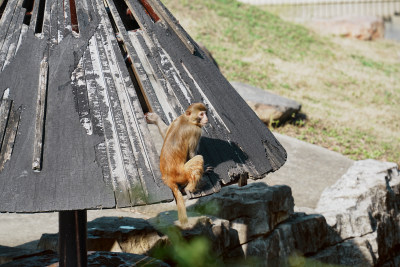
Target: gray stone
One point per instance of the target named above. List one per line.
(114, 234)
(347, 253)
(269, 107)
(99, 258)
(252, 210)
(8, 254)
(351, 204)
(364, 206)
(305, 234)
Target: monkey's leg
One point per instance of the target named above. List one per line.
(180, 203)
(194, 170)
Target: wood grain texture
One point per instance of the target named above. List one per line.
(40, 115)
(97, 150)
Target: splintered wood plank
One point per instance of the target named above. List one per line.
(81, 96)
(145, 155)
(113, 148)
(67, 18)
(16, 35)
(9, 136)
(40, 114)
(179, 89)
(10, 33)
(60, 20)
(6, 18)
(53, 11)
(174, 87)
(5, 108)
(47, 19)
(96, 119)
(175, 26)
(143, 81)
(35, 11)
(142, 62)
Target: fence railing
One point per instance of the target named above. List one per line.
(304, 9)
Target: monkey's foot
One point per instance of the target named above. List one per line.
(191, 187)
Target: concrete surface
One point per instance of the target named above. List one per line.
(308, 170)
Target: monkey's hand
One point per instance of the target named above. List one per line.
(151, 118)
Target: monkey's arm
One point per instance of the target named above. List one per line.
(153, 118)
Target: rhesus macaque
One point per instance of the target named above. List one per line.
(178, 163)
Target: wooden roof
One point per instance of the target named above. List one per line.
(76, 78)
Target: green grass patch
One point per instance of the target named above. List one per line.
(349, 89)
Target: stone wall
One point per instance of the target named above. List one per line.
(356, 223)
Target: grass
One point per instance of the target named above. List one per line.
(349, 89)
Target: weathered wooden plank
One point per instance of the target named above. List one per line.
(60, 20)
(145, 153)
(5, 108)
(78, 83)
(9, 34)
(114, 152)
(53, 11)
(40, 115)
(6, 18)
(138, 71)
(9, 136)
(67, 18)
(119, 104)
(175, 26)
(35, 12)
(47, 20)
(145, 156)
(96, 119)
(159, 100)
(82, 10)
(13, 44)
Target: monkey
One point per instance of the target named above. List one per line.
(179, 164)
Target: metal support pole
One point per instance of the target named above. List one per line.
(72, 238)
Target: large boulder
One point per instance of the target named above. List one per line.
(364, 206)
(269, 107)
(358, 224)
(252, 210)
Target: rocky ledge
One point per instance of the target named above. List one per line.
(356, 223)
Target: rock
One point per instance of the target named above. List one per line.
(351, 204)
(252, 210)
(269, 107)
(255, 225)
(114, 234)
(347, 253)
(304, 234)
(362, 28)
(8, 254)
(102, 258)
(364, 206)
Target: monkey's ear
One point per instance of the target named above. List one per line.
(188, 112)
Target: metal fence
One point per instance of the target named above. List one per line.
(305, 9)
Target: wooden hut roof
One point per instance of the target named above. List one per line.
(76, 78)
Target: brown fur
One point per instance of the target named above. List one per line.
(178, 162)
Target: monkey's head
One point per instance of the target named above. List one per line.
(197, 114)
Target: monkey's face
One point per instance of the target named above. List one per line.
(202, 118)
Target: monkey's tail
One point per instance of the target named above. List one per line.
(180, 203)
